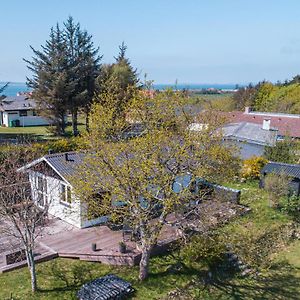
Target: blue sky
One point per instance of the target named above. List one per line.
(193, 41)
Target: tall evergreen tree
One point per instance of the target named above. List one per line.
(50, 80)
(84, 63)
(64, 72)
(118, 80)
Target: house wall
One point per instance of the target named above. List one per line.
(70, 213)
(73, 213)
(29, 120)
(246, 149)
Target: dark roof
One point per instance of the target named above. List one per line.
(65, 163)
(108, 287)
(279, 168)
(17, 103)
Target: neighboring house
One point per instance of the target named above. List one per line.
(286, 124)
(51, 188)
(250, 138)
(251, 131)
(20, 111)
(293, 171)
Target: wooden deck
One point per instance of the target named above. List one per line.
(60, 239)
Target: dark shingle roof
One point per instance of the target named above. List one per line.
(279, 168)
(65, 163)
(17, 103)
(108, 287)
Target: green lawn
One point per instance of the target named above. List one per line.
(39, 132)
(280, 280)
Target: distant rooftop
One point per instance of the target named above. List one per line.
(253, 133)
(22, 102)
(271, 114)
(286, 124)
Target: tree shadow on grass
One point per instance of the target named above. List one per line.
(280, 282)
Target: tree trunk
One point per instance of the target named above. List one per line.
(31, 267)
(63, 124)
(87, 121)
(144, 263)
(75, 122)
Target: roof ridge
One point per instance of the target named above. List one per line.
(284, 164)
(60, 154)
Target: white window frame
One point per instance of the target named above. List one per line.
(65, 194)
(41, 190)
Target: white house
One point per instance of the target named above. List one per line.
(20, 111)
(49, 178)
(50, 187)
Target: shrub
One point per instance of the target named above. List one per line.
(291, 206)
(277, 186)
(252, 167)
(205, 249)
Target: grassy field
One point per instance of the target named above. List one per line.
(61, 278)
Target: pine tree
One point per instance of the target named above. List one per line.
(84, 64)
(123, 70)
(118, 80)
(50, 80)
(64, 73)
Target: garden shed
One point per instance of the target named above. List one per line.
(291, 170)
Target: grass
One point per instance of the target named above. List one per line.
(53, 286)
(37, 132)
(61, 278)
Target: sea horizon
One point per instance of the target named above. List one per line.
(18, 87)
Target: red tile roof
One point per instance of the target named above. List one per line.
(287, 124)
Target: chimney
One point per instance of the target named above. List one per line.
(266, 124)
(67, 157)
(247, 109)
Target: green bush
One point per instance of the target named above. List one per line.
(252, 167)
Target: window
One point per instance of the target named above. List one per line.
(65, 194)
(34, 113)
(41, 190)
(23, 113)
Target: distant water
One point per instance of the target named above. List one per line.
(15, 87)
(196, 86)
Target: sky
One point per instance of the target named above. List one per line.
(191, 41)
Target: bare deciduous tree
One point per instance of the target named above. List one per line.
(21, 217)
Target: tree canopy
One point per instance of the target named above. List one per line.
(266, 96)
(136, 176)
